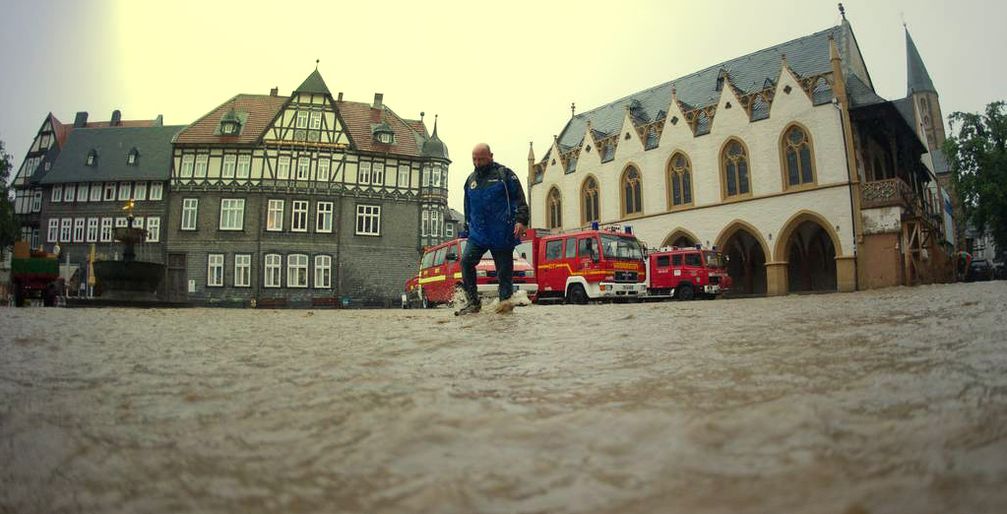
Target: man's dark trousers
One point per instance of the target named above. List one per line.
(504, 260)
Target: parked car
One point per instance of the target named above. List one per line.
(980, 269)
(440, 276)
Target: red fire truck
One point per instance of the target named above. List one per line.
(595, 264)
(686, 273)
(440, 275)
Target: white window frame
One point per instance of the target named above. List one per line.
(304, 168)
(121, 222)
(106, 230)
(95, 195)
(69, 192)
(297, 270)
(323, 272)
(301, 120)
(215, 270)
(36, 201)
(92, 230)
(227, 167)
(315, 120)
(187, 165)
(323, 217)
(53, 235)
(78, 230)
(283, 167)
(404, 175)
(82, 192)
(425, 223)
(378, 173)
(109, 192)
(274, 215)
(156, 191)
(65, 230)
(57, 194)
(244, 166)
(272, 270)
(140, 191)
(368, 220)
(232, 214)
(190, 213)
(242, 270)
(153, 229)
(299, 216)
(199, 170)
(364, 172)
(124, 191)
(426, 176)
(323, 169)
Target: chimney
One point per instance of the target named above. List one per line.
(275, 91)
(340, 97)
(116, 119)
(159, 120)
(81, 120)
(377, 100)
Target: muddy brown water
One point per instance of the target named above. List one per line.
(874, 402)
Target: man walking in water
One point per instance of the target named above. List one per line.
(496, 215)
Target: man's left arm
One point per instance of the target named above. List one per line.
(521, 212)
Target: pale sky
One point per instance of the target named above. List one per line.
(501, 72)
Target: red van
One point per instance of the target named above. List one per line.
(686, 273)
(440, 275)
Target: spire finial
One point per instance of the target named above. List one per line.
(902, 15)
(842, 11)
(573, 109)
(316, 64)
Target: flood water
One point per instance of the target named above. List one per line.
(875, 402)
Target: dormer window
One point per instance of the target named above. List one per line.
(230, 124)
(385, 137)
(132, 156)
(92, 158)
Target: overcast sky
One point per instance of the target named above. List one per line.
(503, 72)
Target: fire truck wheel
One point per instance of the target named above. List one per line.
(685, 292)
(576, 294)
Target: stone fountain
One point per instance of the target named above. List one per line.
(129, 281)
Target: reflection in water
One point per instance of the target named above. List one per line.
(890, 401)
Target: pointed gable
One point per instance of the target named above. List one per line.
(918, 80)
(258, 112)
(314, 84)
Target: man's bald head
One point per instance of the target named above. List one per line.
(481, 155)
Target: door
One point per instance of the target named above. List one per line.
(177, 290)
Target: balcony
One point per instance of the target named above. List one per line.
(893, 192)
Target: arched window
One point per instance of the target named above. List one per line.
(631, 200)
(589, 199)
(679, 180)
(734, 165)
(798, 159)
(554, 206)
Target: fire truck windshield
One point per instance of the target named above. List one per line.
(618, 247)
(714, 260)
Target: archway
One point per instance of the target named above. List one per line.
(681, 238)
(811, 259)
(746, 258)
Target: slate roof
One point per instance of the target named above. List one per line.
(61, 131)
(313, 84)
(112, 145)
(918, 80)
(260, 111)
(806, 56)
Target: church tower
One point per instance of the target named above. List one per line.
(920, 89)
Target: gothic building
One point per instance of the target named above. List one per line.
(785, 159)
(306, 199)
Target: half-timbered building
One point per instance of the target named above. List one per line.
(786, 159)
(302, 200)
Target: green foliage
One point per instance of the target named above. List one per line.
(978, 159)
(8, 225)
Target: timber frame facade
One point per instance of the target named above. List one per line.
(301, 200)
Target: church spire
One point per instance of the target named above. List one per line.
(918, 80)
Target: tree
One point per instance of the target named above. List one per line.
(978, 160)
(8, 225)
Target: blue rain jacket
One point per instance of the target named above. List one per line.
(494, 201)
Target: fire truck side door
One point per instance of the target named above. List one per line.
(552, 270)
